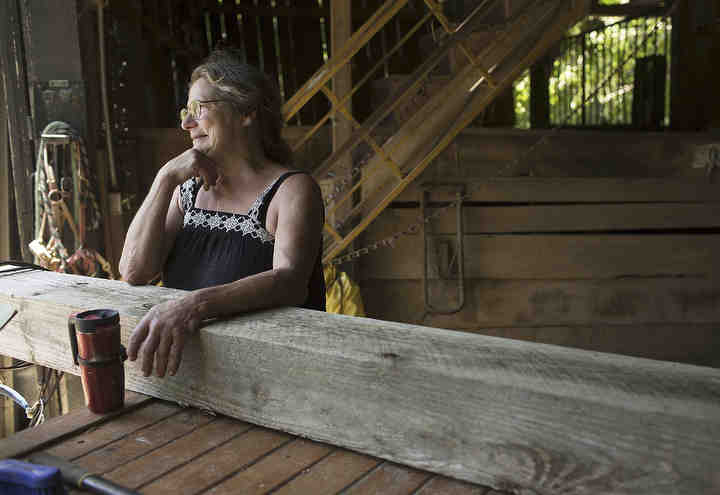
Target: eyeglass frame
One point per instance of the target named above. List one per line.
(185, 112)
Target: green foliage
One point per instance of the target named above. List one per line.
(592, 78)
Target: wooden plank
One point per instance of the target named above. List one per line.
(309, 51)
(275, 469)
(19, 124)
(267, 35)
(62, 427)
(143, 441)
(488, 152)
(4, 179)
(559, 256)
(145, 469)
(331, 475)
(232, 28)
(212, 468)
(498, 412)
(507, 303)
(83, 442)
(249, 29)
(572, 190)
(7, 419)
(71, 393)
(554, 218)
(389, 479)
(287, 55)
(340, 33)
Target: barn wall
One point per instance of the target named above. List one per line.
(595, 240)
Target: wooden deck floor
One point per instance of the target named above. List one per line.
(157, 447)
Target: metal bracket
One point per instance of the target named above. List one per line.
(429, 308)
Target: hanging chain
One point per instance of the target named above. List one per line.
(390, 240)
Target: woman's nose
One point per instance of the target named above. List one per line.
(188, 123)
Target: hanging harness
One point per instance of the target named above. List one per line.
(58, 184)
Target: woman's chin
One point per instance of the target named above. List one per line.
(202, 147)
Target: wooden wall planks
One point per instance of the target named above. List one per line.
(538, 303)
(549, 256)
(584, 218)
(608, 244)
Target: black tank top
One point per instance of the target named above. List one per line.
(215, 247)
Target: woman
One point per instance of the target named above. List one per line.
(227, 219)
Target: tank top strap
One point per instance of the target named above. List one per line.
(188, 192)
(269, 193)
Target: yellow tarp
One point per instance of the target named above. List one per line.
(342, 294)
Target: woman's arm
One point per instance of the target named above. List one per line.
(160, 336)
(153, 230)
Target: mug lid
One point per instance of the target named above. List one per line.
(88, 321)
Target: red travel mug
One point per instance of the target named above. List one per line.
(95, 342)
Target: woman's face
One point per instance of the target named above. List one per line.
(215, 128)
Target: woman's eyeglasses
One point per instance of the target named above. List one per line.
(196, 109)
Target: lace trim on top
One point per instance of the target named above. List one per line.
(218, 220)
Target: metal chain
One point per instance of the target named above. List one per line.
(390, 241)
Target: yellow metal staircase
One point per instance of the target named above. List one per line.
(531, 29)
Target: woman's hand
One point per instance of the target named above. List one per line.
(160, 336)
(192, 163)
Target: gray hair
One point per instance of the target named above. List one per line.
(251, 91)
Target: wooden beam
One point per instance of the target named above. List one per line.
(499, 412)
(8, 410)
(12, 65)
(4, 179)
(340, 33)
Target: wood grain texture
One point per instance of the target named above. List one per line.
(503, 413)
(155, 464)
(83, 443)
(487, 152)
(59, 427)
(144, 441)
(331, 475)
(507, 303)
(206, 471)
(571, 190)
(668, 319)
(274, 469)
(390, 479)
(558, 256)
(555, 218)
(4, 179)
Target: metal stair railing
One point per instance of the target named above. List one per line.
(415, 160)
(399, 160)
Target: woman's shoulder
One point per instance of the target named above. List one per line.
(296, 181)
